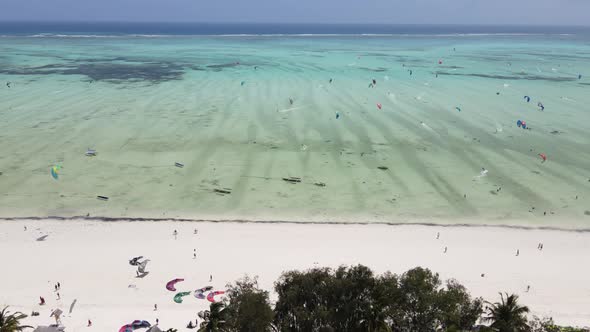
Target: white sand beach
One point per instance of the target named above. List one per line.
(90, 260)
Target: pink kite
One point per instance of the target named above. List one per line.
(210, 296)
(171, 283)
(379, 105)
(543, 156)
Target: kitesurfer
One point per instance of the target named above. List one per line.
(8, 84)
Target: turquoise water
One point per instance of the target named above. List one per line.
(243, 112)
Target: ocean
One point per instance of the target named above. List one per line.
(327, 123)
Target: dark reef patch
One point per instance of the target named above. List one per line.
(517, 76)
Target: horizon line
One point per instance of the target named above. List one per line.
(298, 23)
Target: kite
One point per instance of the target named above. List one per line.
(141, 266)
(55, 171)
(136, 324)
(135, 260)
(211, 296)
(200, 293)
(178, 297)
(171, 283)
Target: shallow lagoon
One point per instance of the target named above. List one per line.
(220, 105)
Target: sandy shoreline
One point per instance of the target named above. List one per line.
(551, 224)
(89, 258)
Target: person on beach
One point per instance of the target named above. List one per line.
(194, 253)
(155, 307)
(175, 233)
(89, 323)
(528, 288)
(196, 231)
(26, 226)
(41, 300)
(210, 277)
(445, 250)
(58, 297)
(517, 252)
(58, 285)
(437, 235)
(55, 286)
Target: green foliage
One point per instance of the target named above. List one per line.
(547, 325)
(249, 308)
(217, 319)
(11, 322)
(459, 311)
(353, 299)
(507, 315)
(302, 304)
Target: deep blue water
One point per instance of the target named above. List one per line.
(113, 28)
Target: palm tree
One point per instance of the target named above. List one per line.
(507, 315)
(216, 319)
(11, 322)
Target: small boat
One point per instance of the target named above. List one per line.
(292, 179)
(223, 191)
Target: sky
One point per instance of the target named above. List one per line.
(528, 12)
